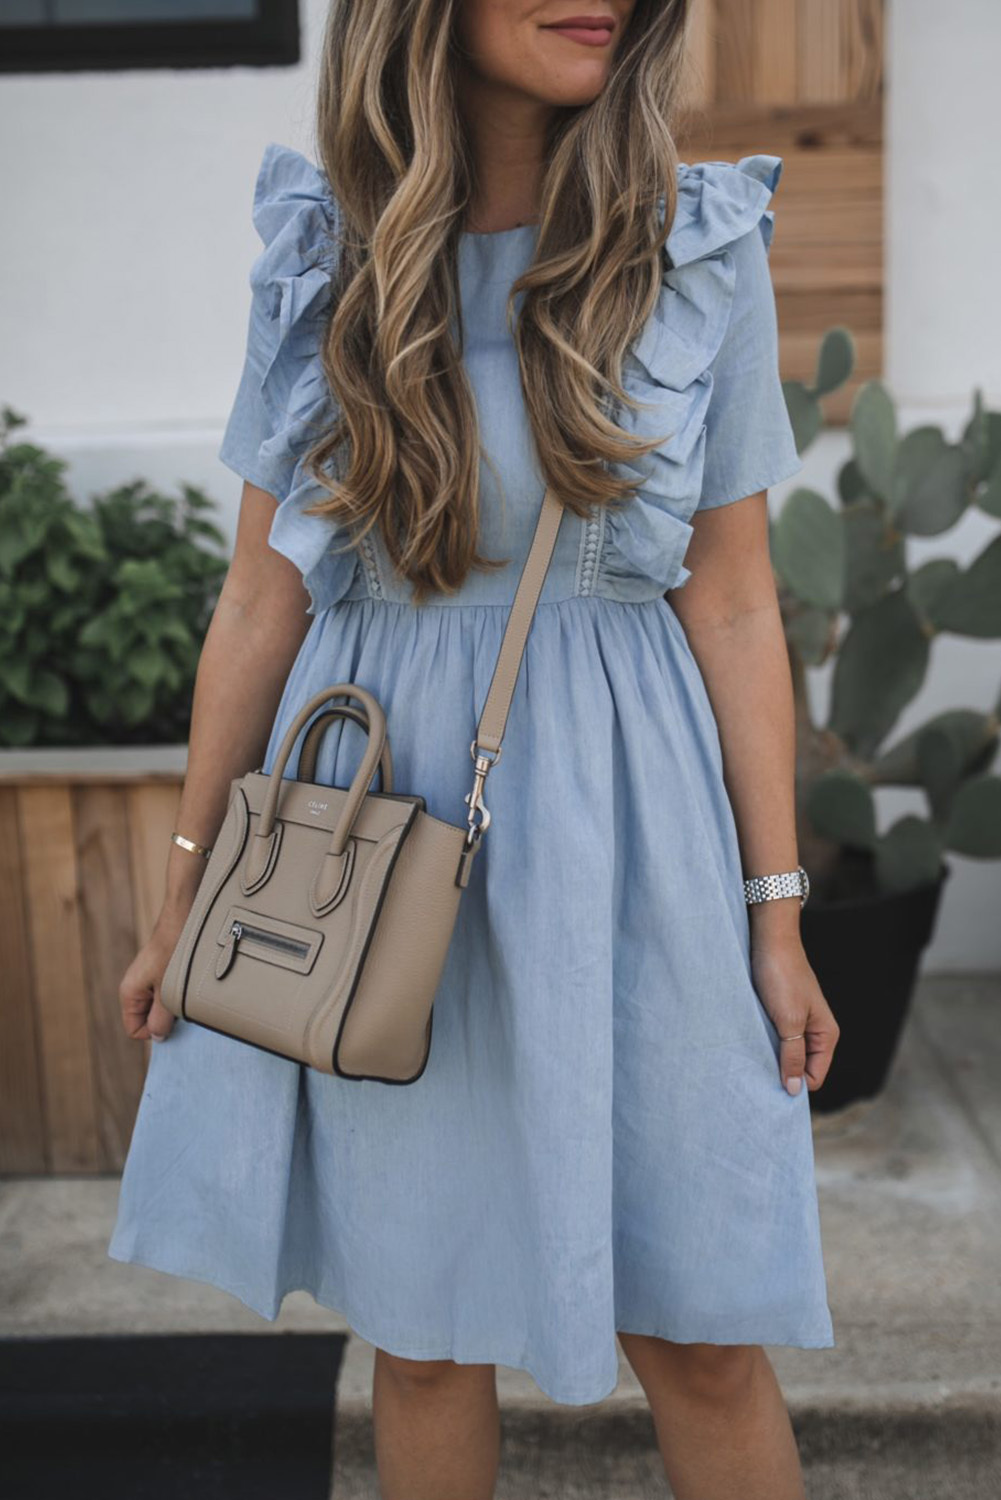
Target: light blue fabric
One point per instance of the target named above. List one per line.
(600, 1140)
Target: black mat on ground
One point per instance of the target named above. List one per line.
(198, 1416)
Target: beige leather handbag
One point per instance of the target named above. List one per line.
(324, 916)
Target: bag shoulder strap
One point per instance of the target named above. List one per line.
(486, 747)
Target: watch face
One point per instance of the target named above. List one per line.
(806, 883)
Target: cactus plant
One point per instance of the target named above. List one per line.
(848, 595)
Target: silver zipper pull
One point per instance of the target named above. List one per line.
(227, 952)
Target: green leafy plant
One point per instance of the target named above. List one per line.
(848, 593)
(103, 608)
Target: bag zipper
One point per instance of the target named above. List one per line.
(294, 947)
(240, 929)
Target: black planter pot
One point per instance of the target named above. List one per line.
(865, 952)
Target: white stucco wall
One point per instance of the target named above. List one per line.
(127, 241)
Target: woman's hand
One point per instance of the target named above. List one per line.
(143, 1015)
(790, 993)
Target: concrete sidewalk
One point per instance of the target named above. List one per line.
(907, 1403)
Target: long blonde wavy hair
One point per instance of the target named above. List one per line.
(406, 444)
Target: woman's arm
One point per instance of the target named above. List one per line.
(729, 610)
(258, 624)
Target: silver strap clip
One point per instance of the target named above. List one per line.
(482, 761)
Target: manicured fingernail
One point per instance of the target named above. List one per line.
(793, 1085)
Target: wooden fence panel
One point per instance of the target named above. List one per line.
(109, 944)
(82, 861)
(152, 813)
(22, 1126)
(59, 987)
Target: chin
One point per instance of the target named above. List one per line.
(572, 93)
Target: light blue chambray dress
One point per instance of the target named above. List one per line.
(601, 1140)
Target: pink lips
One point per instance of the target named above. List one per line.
(591, 31)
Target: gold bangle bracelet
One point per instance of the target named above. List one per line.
(191, 847)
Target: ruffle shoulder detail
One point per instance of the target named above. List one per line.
(670, 364)
(284, 403)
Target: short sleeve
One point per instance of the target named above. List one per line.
(750, 444)
(249, 427)
(283, 404)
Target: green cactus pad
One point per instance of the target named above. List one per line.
(874, 431)
(974, 826)
(808, 549)
(908, 855)
(975, 734)
(931, 482)
(875, 559)
(971, 604)
(835, 362)
(812, 633)
(881, 665)
(840, 806)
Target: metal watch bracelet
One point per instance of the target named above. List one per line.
(772, 887)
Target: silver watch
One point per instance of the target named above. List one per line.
(771, 887)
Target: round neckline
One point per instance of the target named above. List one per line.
(494, 256)
(495, 234)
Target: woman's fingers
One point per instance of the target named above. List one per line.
(143, 1015)
(792, 1060)
(822, 1032)
(807, 1057)
(791, 994)
(161, 1020)
(135, 998)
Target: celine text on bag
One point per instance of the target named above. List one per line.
(321, 926)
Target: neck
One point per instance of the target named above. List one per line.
(507, 135)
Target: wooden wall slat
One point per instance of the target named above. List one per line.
(821, 53)
(109, 945)
(152, 810)
(864, 51)
(22, 1126)
(776, 52)
(59, 980)
(805, 127)
(734, 25)
(700, 81)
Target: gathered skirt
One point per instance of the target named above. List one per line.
(600, 1141)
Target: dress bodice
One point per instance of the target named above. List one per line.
(511, 484)
(705, 366)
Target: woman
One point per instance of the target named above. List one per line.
(611, 1135)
